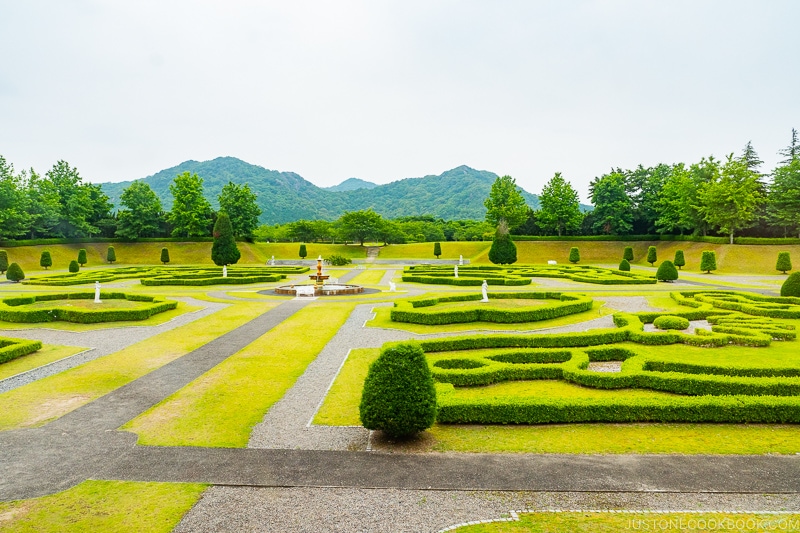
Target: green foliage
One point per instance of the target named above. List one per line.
(503, 250)
(111, 254)
(164, 256)
(708, 261)
(399, 397)
(784, 262)
(613, 212)
(624, 266)
(14, 309)
(671, 322)
(791, 287)
(15, 218)
(652, 255)
(520, 275)
(679, 261)
(559, 208)
(361, 225)
(3, 261)
(77, 204)
(82, 257)
(14, 348)
(14, 273)
(143, 214)
(628, 253)
(191, 212)
(505, 204)
(437, 249)
(224, 250)
(74, 266)
(303, 252)
(667, 272)
(783, 203)
(45, 261)
(338, 260)
(240, 203)
(731, 203)
(574, 255)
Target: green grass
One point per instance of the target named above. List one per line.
(424, 250)
(371, 276)
(289, 250)
(340, 407)
(221, 407)
(103, 507)
(48, 354)
(49, 398)
(593, 522)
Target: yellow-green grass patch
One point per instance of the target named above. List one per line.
(599, 522)
(371, 276)
(103, 506)
(291, 250)
(48, 354)
(221, 407)
(340, 407)
(36, 403)
(424, 250)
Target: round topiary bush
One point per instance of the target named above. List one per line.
(14, 273)
(503, 250)
(574, 255)
(46, 260)
(784, 262)
(671, 322)
(790, 287)
(74, 266)
(399, 397)
(628, 253)
(708, 261)
(652, 255)
(666, 272)
(624, 265)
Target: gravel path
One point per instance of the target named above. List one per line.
(101, 342)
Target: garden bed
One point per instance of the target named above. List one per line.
(80, 307)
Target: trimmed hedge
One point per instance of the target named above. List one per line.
(521, 275)
(671, 322)
(14, 348)
(12, 309)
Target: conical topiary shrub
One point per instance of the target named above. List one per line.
(82, 256)
(224, 250)
(3, 261)
(784, 262)
(652, 256)
(74, 266)
(111, 255)
(14, 273)
(708, 261)
(627, 254)
(574, 255)
(666, 272)
(791, 287)
(679, 261)
(164, 256)
(303, 252)
(624, 265)
(437, 249)
(399, 397)
(503, 250)
(46, 260)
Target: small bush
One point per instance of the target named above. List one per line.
(338, 260)
(45, 260)
(503, 250)
(303, 252)
(671, 322)
(399, 397)
(667, 272)
(111, 255)
(82, 257)
(437, 249)
(627, 254)
(624, 265)
(14, 273)
(164, 256)
(3, 261)
(708, 261)
(790, 287)
(74, 266)
(574, 255)
(679, 261)
(652, 256)
(784, 262)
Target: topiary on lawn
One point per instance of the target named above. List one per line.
(3, 261)
(666, 272)
(437, 249)
(303, 252)
(14, 273)
(624, 265)
(708, 261)
(164, 256)
(45, 261)
(224, 250)
(111, 255)
(652, 256)
(628, 253)
(679, 259)
(74, 266)
(503, 250)
(784, 262)
(791, 287)
(338, 260)
(574, 255)
(82, 256)
(399, 397)
(671, 322)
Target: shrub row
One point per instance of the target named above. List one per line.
(13, 348)
(466, 282)
(10, 311)
(194, 281)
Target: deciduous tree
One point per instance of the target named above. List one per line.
(143, 214)
(240, 204)
(559, 208)
(505, 204)
(191, 212)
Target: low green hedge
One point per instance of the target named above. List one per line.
(521, 275)
(12, 309)
(14, 348)
(164, 275)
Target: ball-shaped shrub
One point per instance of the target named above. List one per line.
(708, 261)
(652, 255)
(624, 265)
(74, 266)
(671, 322)
(503, 250)
(574, 255)
(784, 262)
(628, 253)
(666, 272)
(14, 273)
(46, 260)
(790, 287)
(399, 397)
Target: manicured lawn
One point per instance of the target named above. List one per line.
(371, 276)
(48, 354)
(103, 507)
(594, 522)
(43, 400)
(221, 407)
(424, 250)
(290, 250)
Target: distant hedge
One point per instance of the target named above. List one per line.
(13, 309)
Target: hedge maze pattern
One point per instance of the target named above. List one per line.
(521, 275)
(19, 310)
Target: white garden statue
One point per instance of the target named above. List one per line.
(392, 286)
(460, 259)
(224, 271)
(455, 271)
(272, 261)
(484, 289)
(97, 292)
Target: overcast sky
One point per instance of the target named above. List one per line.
(385, 90)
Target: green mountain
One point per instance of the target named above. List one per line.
(352, 184)
(284, 196)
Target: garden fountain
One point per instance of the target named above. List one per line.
(320, 288)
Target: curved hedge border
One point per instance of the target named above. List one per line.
(9, 311)
(13, 348)
(521, 275)
(423, 311)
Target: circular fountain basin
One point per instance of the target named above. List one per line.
(329, 289)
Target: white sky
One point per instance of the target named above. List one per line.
(385, 90)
